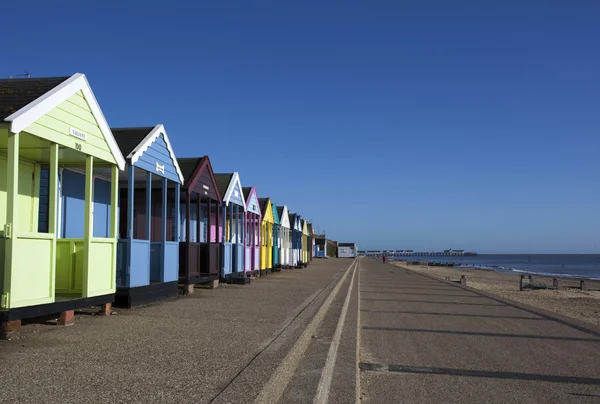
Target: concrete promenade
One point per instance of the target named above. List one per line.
(424, 340)
(215, 346)
(339, 331)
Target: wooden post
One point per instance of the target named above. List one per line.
(52, 213)
(555, 283)
(88, 223)
(582, 285)
(463, 280)
(12, 194)
(163, 233)
(148, 207)
(177, 236)
(208, 235)
(521, 282)
(130, 203)
(223, 225)
(188, 215)
(130, 220)
(231, 223)
(114, 220)
(237, 225)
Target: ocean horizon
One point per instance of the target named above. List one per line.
(555, 265)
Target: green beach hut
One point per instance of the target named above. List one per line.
(59, 169)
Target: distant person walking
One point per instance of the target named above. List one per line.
(383, 258)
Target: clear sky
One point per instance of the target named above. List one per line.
(395, 124)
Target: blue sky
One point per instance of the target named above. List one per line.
(422, 125)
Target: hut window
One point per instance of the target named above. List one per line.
(43, 213)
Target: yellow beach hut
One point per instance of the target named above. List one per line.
(266, 235)
(305, 246)
(59, 183)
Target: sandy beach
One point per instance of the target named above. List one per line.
(571, 302)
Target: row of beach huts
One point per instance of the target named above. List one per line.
(92, 215)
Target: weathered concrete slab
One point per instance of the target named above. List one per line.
(190, 349)
(426, 340)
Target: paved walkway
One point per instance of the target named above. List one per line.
(424, 340)
(215, 346)
(331, 333)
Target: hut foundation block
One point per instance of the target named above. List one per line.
(188, 289)
(67, 318)
(10, 329)
(210, 285)
(106, 309)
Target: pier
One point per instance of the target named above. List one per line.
(411, 253)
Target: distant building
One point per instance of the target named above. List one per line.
(347, 250)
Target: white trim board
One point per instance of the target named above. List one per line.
(147, 142)
(53, 98)
(285, 215)
(235, 179)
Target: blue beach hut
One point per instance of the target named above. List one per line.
(234, 235)
(147, 250)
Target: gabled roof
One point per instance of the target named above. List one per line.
(266, 210)
(188, 165)
(29, 99)
(226, 183)
(275, 214)
(17, 93)
(264, 204)
(193, 168)
(248, 200)
(223, 181)
(133, 142)
(294, 220)
(129, 138)
(284, 217)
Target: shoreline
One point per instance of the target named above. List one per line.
(569, 300)
(510, 270)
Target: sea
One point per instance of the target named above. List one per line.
(555, 265)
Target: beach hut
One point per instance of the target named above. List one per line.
(253, 226)
(200, 224)
(304, 243)
(266, 237)
(311, 242)
(276, 239)
(320, 250)
(232, 239)
(147, 254)
(296, 239)
(59, 165)
(285, 248)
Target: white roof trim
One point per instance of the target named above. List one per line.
(235, 179)
(286, 215)
(147, 142)
(44, 104)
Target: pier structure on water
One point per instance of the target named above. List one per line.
(411, 253)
